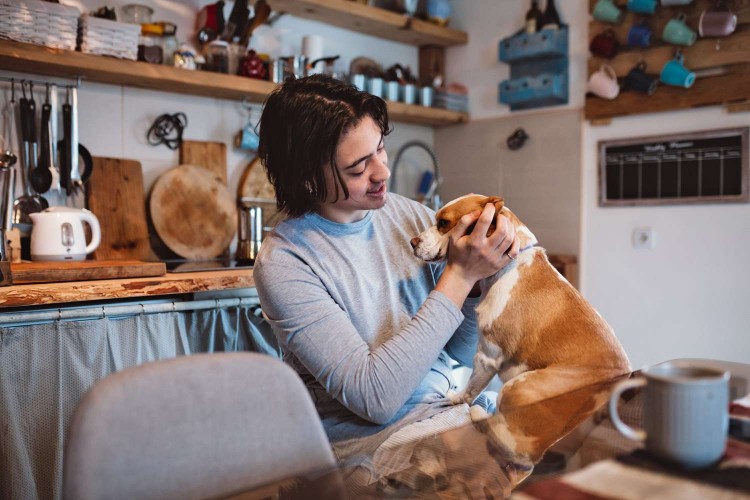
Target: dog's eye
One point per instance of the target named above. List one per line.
(442, 223)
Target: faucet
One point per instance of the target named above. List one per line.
(432, 198)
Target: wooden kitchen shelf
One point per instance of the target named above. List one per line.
(85, 291)
(27, 58)
(372, 21)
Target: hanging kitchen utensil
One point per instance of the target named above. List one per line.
(65, 146)
(29, 202)
(7, 156)
(53, 101)
(41, 176)
(75, 173)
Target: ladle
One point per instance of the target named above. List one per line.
(7, 157)
(41, 176)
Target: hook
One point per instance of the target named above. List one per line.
(12, 90)
(59, 315)
(67, 95)
(46, 97)
(31, 89)
(143, 310)
(104, 313)
(23, 89)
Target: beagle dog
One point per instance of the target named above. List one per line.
(536, 330)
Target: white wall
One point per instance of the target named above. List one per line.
(686, 297)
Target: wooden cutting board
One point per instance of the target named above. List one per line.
(84, 270)
(115, 194)
(193, 212)
(255, 187)
(209, 155)
(254, 183)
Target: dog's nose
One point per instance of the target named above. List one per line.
(414, 242)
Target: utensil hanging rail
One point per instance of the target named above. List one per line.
(19, 318)
(13, 80)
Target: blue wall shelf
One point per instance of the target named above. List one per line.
(538, 69)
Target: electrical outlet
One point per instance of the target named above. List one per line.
(643, 237)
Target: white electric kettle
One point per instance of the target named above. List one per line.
(58, 234)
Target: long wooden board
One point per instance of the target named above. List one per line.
(115, 194)
(19, 295)
(85, 270)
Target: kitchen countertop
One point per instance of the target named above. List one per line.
(84, 291)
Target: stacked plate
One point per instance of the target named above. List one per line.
(41, 23)
(109, 38)
(451, 101)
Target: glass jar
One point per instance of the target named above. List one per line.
(136, 13)
(169, 42)
(150, 44)
(217, 57)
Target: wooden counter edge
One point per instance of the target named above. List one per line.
(84, 291)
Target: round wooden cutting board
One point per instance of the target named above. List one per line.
(193, 212)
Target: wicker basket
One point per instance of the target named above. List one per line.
(40, 23)
(109, 38)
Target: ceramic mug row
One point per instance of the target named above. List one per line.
(715, 22)
(604, 83)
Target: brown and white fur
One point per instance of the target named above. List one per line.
(536, 330)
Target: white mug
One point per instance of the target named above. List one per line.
(58, 234)
(604, 83)
(685, 412)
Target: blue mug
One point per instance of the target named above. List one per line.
(642, 6)
(606, 11)
(639, 35)
(676, 74)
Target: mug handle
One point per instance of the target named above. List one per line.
(96, 233)
(609, 70)
(622, 427)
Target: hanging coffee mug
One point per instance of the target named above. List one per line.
(605, 44)
(603, 83)
(642, 6)
(676, 74)
(679, 33)
(607, 11)
(639, 35)
(639, 81)
(715, 23)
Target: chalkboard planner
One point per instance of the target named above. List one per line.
(697, 167)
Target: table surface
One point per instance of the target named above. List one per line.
(510, 452)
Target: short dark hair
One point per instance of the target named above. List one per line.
(301, 125)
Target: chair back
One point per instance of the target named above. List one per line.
(200, 426)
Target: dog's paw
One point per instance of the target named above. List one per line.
(456, 398)
(477, 413)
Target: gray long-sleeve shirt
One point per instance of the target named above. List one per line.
(357, 317)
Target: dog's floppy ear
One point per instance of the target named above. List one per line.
(498, 202)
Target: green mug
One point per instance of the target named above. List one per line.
(607, 11)
(678, 33)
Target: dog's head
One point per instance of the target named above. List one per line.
(432, 244)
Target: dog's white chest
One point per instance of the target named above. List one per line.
(500, 289)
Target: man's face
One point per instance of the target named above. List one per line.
(363, 164)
